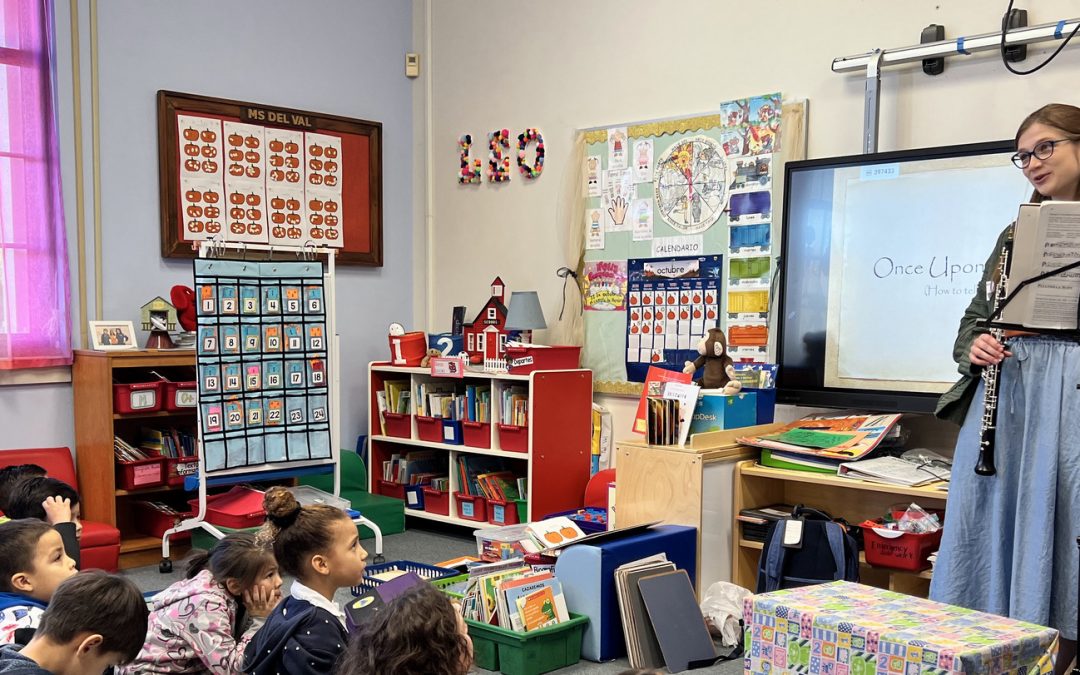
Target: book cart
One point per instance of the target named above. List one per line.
(268, 385)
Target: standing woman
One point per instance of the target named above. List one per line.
(1009, 545)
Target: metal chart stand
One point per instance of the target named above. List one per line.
(216, 249)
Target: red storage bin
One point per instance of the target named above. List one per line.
(476, 434)
(154, 522)
(176, 469)
(399, 424)
(389, 488)
(436, 501)
(140, 473)
(238, 508)
(510, 512)
(527, 358)
(513, 438)
(137, 397)
(470, 507)
(900, 550)
(428, 428)
(179, 396)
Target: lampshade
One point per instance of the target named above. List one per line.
(524, 312)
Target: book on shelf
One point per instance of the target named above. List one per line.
(894, 471)
(827, 439)
(126, 452)
(515, 406)
(394, 390)
(471, 467)
(380, 402)
(426, 464)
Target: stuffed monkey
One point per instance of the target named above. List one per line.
(719, 369)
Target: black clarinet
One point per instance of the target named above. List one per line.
(991, 373)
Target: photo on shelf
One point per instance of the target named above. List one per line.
(113, 335)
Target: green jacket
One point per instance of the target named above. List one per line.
(953, 404)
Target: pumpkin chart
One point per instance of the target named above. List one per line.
(249, 183)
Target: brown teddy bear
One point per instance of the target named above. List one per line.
(719, 368)
(426, 361)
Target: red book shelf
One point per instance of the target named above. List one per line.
(554, 456)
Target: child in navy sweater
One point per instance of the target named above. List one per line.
(319, 546)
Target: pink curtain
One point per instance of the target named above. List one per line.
(35, 321)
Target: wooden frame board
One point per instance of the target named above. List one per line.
(357, 179)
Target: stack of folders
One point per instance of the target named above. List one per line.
(662, 622)
(894, 471)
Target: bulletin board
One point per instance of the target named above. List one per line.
(264, 396)
(681, 219)
(243, 172)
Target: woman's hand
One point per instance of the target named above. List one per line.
(260, 601)
(986, 350)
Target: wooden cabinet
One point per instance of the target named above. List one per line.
(853, 500)
(552, 451)
(97, 423)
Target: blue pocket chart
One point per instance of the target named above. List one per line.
(262, 364)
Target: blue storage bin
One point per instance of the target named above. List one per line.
(451, 432)
(426, 572)
(766, 403)
(414, 497)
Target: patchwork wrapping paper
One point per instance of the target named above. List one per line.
(841, 628)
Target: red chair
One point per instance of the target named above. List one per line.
(100, 543)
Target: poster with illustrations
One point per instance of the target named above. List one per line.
(604, 284)
(700, 189)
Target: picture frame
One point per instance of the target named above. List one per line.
(111, 336)
(201, 163)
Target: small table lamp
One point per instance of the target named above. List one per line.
(524, 314)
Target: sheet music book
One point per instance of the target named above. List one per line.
(1046, 237)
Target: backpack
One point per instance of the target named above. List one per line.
(827, 553)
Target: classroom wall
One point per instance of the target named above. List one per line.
(342, 57)
(561, 65)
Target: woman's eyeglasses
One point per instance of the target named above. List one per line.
(1042, 150)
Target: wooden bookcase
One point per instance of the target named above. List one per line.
(96, 423)
(555, 460)
(853, 500)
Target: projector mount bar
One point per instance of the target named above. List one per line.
(872, 62)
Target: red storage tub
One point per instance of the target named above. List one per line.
(527, 358)
(470, 507)
(137, 397)
(476, 434)
(239, 508)
(428, 428)
(139, 474)
(510, 512)
(399, 424)
(389, 488)
(436, 501)
(179, 396)
(176, 469)
(900, 550)
(154, 522)
(513, 438)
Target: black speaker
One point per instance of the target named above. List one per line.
(1017, 19)
(933, 33)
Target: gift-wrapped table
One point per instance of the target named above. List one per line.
(841, 628)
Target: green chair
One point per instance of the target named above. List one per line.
(386, 512)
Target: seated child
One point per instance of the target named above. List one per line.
(32, 565)
(417, 633)
(53, 501)
(9, 476)
(95, 621)
(319, 546)
(197, 625)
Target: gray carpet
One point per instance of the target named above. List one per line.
(425, 543)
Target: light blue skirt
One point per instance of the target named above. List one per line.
(1009, 545)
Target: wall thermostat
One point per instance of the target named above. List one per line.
(412, 65)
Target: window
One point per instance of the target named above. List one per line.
(492, 316)
(471, 342)
(35, 324)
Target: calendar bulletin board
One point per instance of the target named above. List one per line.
(243, 172)
(681, 219)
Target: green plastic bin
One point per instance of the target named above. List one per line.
(538, 651)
